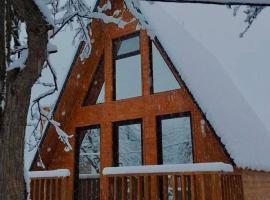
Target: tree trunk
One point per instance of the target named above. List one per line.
(18, 91)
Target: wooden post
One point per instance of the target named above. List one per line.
(106, 157)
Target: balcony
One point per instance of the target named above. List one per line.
(205, 181)
(202, 181)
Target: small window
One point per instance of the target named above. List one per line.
(128, 143)
(127, 67)
(163, 78)
(96, 91)
(90, 152)
(174, 139)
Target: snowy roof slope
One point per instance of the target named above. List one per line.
(243, 132)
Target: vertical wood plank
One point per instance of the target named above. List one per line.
(39, 188)
(165, 187)
(33, 189)
(147, 187)
(45, 182)
(175, 187)
(124, 188)
(192, 187)
(56, 189)
(145, 63)
(108, 63)
(183, 188)
(139, 186)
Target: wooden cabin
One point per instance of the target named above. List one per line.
(138, 131)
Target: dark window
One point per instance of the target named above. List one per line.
(174, 139)
(128, 143)
(163, 78)
(127, 67)
(90, 151)
(96, 91)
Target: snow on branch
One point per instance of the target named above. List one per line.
(251, 13)
(62, 135)
(222, 2)
(134, 7)
(40, 115)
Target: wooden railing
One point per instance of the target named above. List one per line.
(89, 187)
(200, 185)
(48, 185)
(48, 188)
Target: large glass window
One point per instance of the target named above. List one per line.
(128, 143)
(127, 67)
(174, 139)
(163, 78)
(90, 151)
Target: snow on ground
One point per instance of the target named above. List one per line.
(221, 71)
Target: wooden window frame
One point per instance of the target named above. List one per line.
(116, 138)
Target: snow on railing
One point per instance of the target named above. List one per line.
(49, 174)
(89, 176)
(176, 168)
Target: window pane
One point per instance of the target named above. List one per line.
(163, 78)
(130, 145)
(176, 140)
(128, 77)
(124, 46)
(101, 95)
(90, 152)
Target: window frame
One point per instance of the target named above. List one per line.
(122, 56)
(159, 119)
(115, 143)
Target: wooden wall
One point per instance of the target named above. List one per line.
(256, 185)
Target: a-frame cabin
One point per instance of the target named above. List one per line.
(127, 106)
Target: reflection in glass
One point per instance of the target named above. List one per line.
(90, 152)
(101, 96)
(176, 140)
(163, 78)
(129, 145)
(129, 45)
(128, 77)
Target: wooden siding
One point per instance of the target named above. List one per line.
(256, 185)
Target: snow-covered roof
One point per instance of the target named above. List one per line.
(225, 74)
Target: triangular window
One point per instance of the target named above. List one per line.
(163, 78)
(101, 95)
(96, 92)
